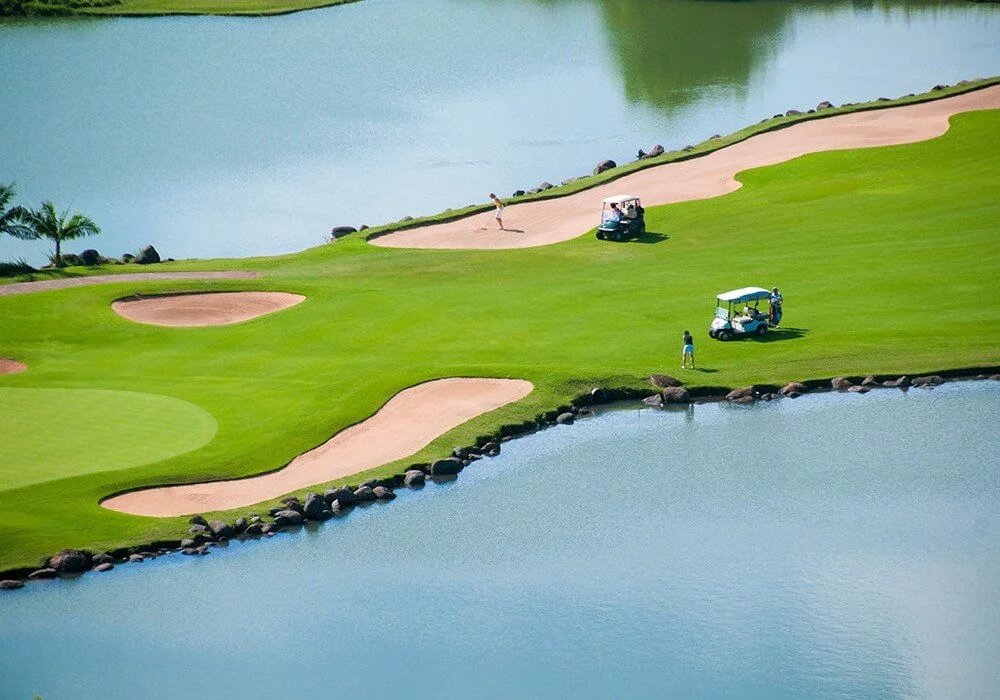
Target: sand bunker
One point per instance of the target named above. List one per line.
(556, 220)
(46, 285)
(405, 425)
(8, 366)
(208, 309)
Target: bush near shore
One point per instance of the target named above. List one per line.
(880, 254)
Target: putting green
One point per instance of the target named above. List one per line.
(68, 432)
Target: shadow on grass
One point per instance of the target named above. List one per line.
(783, 333)
(651, 237)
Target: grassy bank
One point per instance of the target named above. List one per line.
(886, 258)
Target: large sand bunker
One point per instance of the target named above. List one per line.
(556, 220)
(402, 427)
(9, 366)
(205, 309)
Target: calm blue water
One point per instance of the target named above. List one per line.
(834, 546)
(216, 136)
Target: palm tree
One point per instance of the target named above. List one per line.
(47, 223)
(12, 218)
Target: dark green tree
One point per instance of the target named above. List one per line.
(49, 224)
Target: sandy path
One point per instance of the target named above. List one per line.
(556, 220)
(8, 366)
(44, 285)
(211, 309)
(402, 427)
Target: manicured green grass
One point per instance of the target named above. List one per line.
(54, 433)
(887, 259)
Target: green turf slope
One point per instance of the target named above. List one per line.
(887, 259)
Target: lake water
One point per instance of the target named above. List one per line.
(831, 546)
(213, 136)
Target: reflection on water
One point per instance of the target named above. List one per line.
(835, 545)
(227, 136)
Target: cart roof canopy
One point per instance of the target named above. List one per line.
(745, 294)
(620, 199)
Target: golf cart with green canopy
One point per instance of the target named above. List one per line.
(737, 313)
(622, 217)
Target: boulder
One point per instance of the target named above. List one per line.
(342, 495)
(91, 257)
(655, 151)
(197, 529)
(518, 193)
(269, 528)
(859, 389)
(70, 561)
(743, 399)
(746, 391)
(106, 566)
(370, 483)
(938, 88)
(825, 104)
(188, 542)
(413, 478)
(898, 383)
(792, 395)
(883, 99)
(675, 394)
(383, 494)
(147, 256)
(995, 377)
(446, 467)
(10, 585)
(792, 113)
(43, 573)
(101, 558)
(288, 517)
(341, 231)
(136, 558)
(240, 525)
(220, 528)
(598, 395)
(604, 166)
(127, 257)
(365, 493)
(928, 380)
(565, 418)
(655, 400)
(689, 148)
(254, 529)
(491, 448)
(841, 384)
(870, 381)
(664, 380)
(796, 388)
(315, 505)
(197, 520)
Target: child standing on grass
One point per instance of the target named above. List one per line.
(688, 352)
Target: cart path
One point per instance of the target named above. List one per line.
(561, 219)
(402, 427)
(46, 285)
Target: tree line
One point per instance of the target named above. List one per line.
(44, 223)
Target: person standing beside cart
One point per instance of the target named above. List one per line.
(774, 313)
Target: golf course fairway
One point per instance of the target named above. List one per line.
(886, 257)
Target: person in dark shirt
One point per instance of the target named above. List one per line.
(688, 352)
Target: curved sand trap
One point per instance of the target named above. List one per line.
(555, 220)
(402, 427)
(203, 309)
(8, 366)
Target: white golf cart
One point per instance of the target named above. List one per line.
(626, 219)
(737, 313)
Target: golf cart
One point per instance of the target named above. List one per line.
(628, 221)
(737, 313)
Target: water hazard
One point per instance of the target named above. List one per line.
(834, 545)
(214, 136)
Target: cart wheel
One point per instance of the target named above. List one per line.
(761, 330)
(723, 336)
(711, 333)
(600, 236)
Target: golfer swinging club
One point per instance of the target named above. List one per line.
(499, 212)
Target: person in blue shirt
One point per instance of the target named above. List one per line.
(775, 310)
